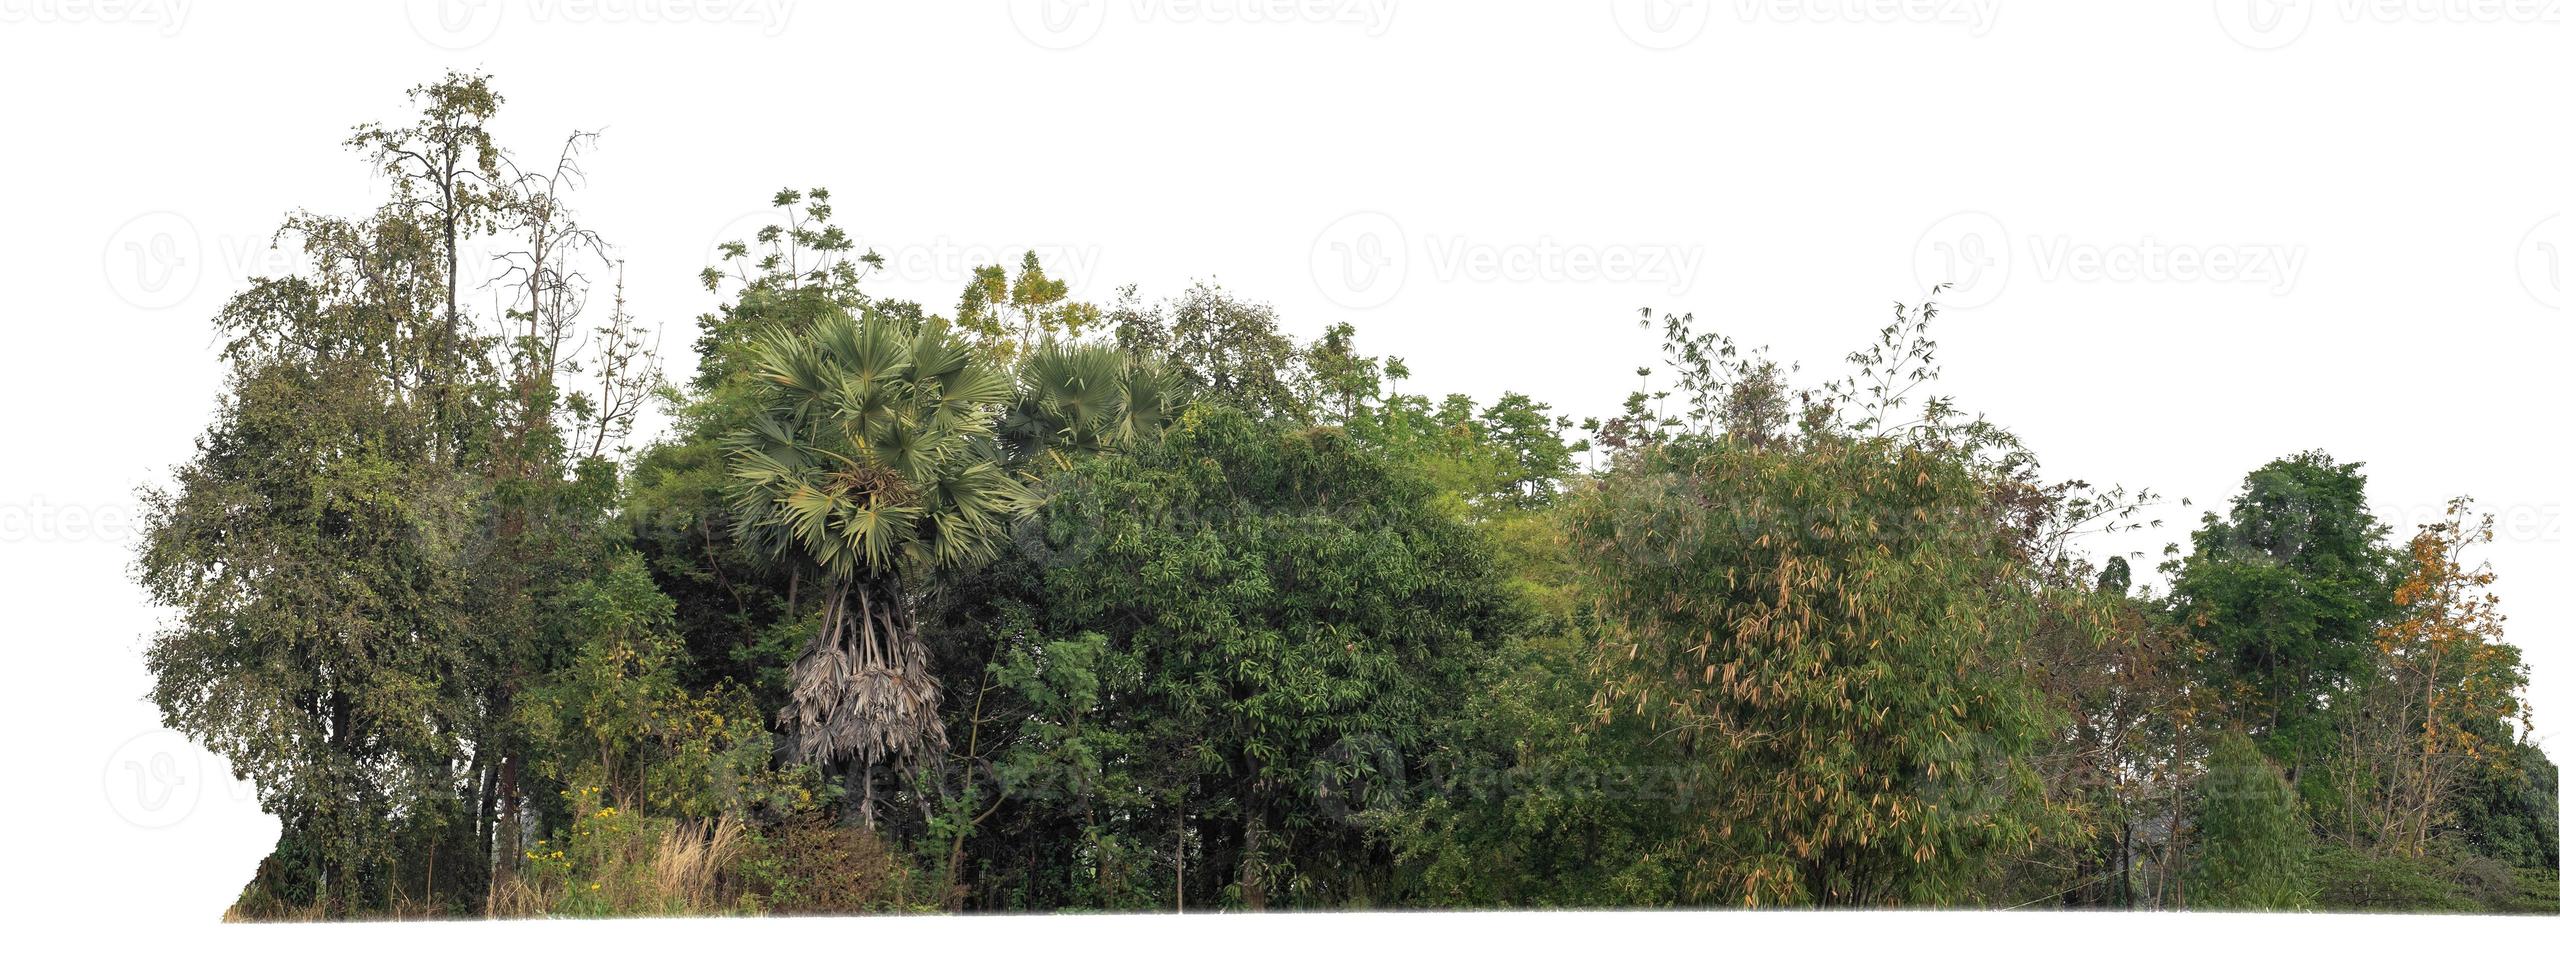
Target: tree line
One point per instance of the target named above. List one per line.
(1146, 604)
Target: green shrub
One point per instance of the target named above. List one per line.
(812, 866)
(2345, 879)
(2537, 890)
(2250, 834)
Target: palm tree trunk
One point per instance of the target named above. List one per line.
(863, 693)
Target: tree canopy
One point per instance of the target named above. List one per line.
(1039, 602)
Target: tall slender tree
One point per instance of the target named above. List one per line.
(445, 174)
(871, 462)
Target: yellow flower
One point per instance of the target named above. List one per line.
(592, 886)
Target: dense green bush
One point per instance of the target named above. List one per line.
(2349, 879)
(2252, 847)
(814, 865)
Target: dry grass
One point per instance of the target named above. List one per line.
(692, 865)
(662, 868)
(623, 866)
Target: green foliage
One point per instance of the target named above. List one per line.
(2288, 590)
(1828, 629)
(1046, 606)
(870, 462)
(2348, 879)
(811, 866)
(1531, 802)
(2125, 759)
(616, 716)
(2536, 891)
(1830, 639)
(312, 552)
(1076, 400)
(2252, 845)
(871, 457)
(1345, 379)
(807, 260)
(1260, 624)
(736, 611)
(1228, 349)
(1008, 317)
(2507, 813)
(1507, 455)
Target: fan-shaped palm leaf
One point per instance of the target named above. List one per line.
(868, 461)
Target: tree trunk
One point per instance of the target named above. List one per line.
(863, 693)
(510, 833)
(857, 784)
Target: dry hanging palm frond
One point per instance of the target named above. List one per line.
(863, 692)
(872, 458)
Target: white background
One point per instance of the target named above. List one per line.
(2192, 237)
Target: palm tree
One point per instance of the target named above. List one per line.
(871, 462)
(1077, 399)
